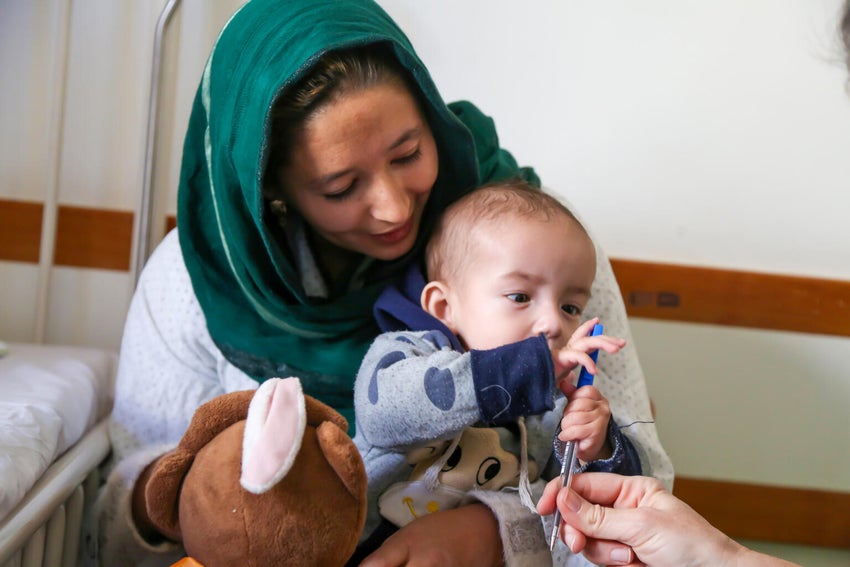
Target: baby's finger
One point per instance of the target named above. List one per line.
(568, 357)
(584, 329)
(589, 392)
(608, 344)
(566, 385)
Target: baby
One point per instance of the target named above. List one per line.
(458, 400)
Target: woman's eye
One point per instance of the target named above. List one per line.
(519, 297)
(571, 310)
(409, 158)
(341, 194)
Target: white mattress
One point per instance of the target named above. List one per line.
(50, 396)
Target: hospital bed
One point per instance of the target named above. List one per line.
(54, 401)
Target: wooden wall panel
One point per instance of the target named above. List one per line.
(93, 238)
(85, 237)
(731, 297)
(20, 230)
(770, 513)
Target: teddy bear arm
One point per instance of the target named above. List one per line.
(162, 491)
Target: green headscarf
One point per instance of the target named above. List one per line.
(255, 307)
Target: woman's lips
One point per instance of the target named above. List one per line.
(395, 235)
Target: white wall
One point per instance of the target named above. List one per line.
(710, 133)
(101, 125)
(692, 132)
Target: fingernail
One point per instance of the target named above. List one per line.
(621, 555)
(573, 502)
(570, 539)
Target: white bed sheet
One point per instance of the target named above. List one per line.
(50, 396)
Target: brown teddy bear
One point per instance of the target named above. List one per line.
(265, 477)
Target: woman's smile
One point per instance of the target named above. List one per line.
(396, 234)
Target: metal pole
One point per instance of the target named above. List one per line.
(54, 162)
(143, 221)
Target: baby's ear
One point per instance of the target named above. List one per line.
(435, 300)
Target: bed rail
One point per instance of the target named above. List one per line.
(46, 527)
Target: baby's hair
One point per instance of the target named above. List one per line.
(452, 241)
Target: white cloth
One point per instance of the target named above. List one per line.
(50, 396)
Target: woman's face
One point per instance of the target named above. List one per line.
(361, 172)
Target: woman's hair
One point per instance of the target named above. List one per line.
(453, 241)
(335, 74)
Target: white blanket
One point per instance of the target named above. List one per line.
(50, 396)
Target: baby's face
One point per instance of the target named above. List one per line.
(526, 277)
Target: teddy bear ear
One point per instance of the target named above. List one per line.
(273, 433)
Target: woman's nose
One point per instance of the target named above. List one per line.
(391, 200)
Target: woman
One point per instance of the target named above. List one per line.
(304, 191)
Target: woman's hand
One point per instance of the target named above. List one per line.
(634, 520)
(465, 536)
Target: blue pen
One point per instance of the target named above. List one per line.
(568, 459)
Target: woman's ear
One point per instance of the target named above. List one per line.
(435, 300)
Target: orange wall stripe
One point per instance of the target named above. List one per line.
(20, 230)
(97, 238)
(85, 237)
(770, 513)
(730, 297)
(93, 238)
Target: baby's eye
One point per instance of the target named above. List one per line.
(573, 310)
(519, 297)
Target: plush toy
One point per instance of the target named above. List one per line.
(265, 477)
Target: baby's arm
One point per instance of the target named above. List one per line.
(405, 386)
(413, 387)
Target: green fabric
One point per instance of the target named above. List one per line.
(255, 308)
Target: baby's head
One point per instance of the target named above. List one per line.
(507, 262)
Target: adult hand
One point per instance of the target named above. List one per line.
(619, 520)
(467, 536)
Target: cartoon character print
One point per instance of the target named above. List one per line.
(446, 471)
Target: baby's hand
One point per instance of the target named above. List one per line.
(577, 349)
(585, 421)
(588, 412)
